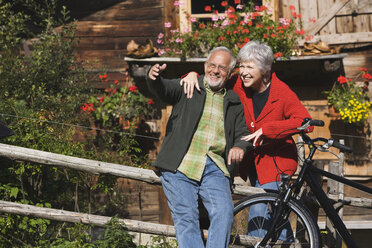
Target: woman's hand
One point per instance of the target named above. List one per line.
(255, 137)
(189, 83)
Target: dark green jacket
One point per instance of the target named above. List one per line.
(185, 117)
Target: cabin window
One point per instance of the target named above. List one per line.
(197, 9)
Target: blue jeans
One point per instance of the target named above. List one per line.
(182, 195)
(259, 210)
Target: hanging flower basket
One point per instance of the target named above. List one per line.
(333, 113)
(350, 99)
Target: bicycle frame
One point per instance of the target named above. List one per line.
(308, 174)
(326, 204)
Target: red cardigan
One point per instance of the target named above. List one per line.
(282, 113)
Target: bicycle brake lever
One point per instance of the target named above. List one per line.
(328, 144)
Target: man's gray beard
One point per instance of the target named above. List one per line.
(214, 86)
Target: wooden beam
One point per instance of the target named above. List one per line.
(69, 216)
(93, 166)
(323, 20)
(341, 39)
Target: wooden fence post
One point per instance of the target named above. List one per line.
(337, 189)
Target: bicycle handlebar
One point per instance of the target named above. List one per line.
(340, 146)
(328, 142)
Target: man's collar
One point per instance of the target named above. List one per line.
(221, 91)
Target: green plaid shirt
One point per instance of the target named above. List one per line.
(209, 138)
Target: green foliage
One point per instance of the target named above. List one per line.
(163, 242)
(116, 236)
(118, 104)
(42, 91)
(241, 24)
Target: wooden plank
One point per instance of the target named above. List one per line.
(131, 4)
(362, 22)
(323, 20)
(98, 58)
(117, 14)
(284, 8)
(323, 7)
(344, 22)
(308, 10)
(141, 28)
(347, 38)
(110, 43)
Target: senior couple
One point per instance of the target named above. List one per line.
(229, 117)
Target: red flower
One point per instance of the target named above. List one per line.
(103, 77)
(88, 107)
(363, 69)
(278, 54)
(116, 81)
(101, 99)
(133, 88)
(114, 91)
(292, 7)
(223, 3)
(236, 1)
(309, 37)
(221, 38)
(150, 101)
(207, 8)
(342, 79)
(367, 76)
(300, 32)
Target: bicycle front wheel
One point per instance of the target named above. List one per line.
(253, 217)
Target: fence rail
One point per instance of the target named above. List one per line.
(99, 167)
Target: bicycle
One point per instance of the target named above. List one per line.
(284, 209)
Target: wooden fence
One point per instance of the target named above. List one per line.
(98, 167)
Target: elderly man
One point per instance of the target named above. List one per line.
(202, 143)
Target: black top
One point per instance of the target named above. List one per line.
(259, 100)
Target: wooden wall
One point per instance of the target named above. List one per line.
(104, 35)
(353, 16)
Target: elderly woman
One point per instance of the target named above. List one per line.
(272, 113)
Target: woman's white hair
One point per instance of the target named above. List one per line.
(259, 53)
(225, 49)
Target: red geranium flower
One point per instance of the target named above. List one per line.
(278, 54)
(207, 8)
(101, 99)
(342, 79)
(133, 88)
(151, 101)
(223, 3)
